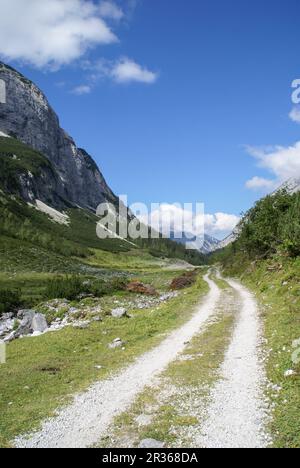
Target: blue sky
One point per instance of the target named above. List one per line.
(177, 101)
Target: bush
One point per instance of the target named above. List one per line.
(10, 300)
(71, 287)
(102, 288)
(291, 228)
(271, 225)
(184, 281)
(65, 288)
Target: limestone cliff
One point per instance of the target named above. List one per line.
(26, 114)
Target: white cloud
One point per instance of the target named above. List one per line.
(282, 162)
(81, 90)
(259, 183)
(51, 32)
(181, 219)
(109, 9)
(220, 223)
(126, 71)
(123, 70)
(295, 114)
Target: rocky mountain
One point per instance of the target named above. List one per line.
(292, 185)
(210, 244)
(72, 177)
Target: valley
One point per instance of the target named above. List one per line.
(136, 342)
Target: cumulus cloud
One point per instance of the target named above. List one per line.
(295, 115)
(121, 71)
(180, 218)
(110, 10)
(282, 162)
(220, 224)
(81, 90)
(259, 183)
(127, 70)
(52, 32)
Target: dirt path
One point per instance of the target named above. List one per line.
(237, 414)
(84, 422)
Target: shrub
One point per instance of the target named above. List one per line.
(10, 300)
(65, 288)
(271, 225)
(184, 281)
(102, 288)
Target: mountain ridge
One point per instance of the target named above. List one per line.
(27, 116)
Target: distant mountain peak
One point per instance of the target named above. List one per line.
(210, 244)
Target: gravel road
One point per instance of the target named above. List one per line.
(237, 415)
(86, 420)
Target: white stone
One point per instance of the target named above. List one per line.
(289, 373)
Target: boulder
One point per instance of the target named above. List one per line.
(151, 444)
(25, 327)
(119, 313)
(31, 322)
(39, 323)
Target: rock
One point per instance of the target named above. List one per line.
(81, 325)
(25, 327)
(119, 313)
(151, 443)
(73, 176)
(117, 343)
(7, 316)
(39, 323)
(144, 419)
(6, 326)
(289, 373)
(25, 313)
(12, 336)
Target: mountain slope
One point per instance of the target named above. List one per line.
(41, 166)
(291, 186)
(210, 244)
(27, 116)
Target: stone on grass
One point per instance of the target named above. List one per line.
(119, 313)
(39, 323)
(117, 343)
(289, 373)
(151, 443)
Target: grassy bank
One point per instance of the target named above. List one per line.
(43, 373)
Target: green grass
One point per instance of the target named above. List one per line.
(187, 377)
(16, 158)
(43, 372)
(130, 260)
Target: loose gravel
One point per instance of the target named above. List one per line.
(237, 415)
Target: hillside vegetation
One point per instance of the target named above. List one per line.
(266, 257)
